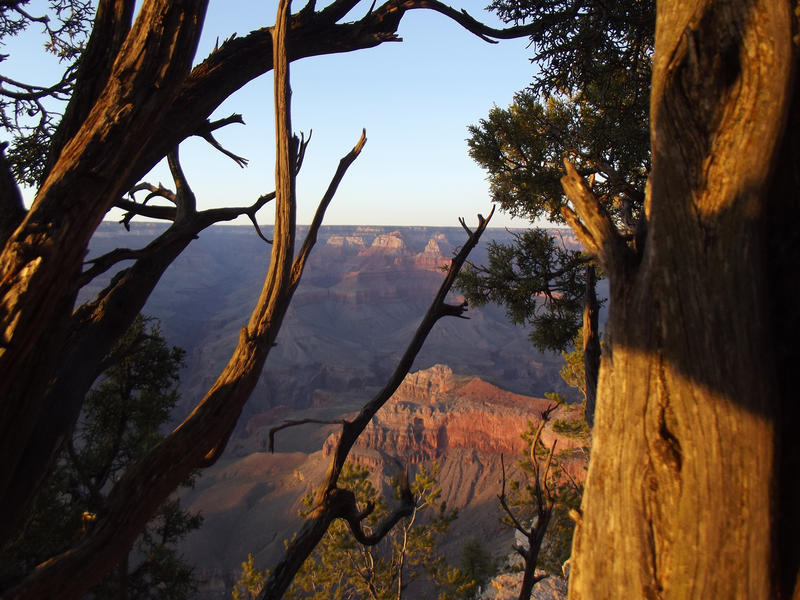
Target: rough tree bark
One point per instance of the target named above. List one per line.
(42, 258)
(200, 439)
(130, 110)
(692, 485)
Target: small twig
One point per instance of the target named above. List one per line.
(316, 223)
(464, 225)
(209, 137)
(210, 126)
(504, 502)
(574, 483)
(295, 423)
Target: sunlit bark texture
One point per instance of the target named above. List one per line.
(692, 486)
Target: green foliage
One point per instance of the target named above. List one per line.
(538, 281)
(571, 427)
(122, 415)
(342, 568)
(581, 44)
(588, 102)
(250, 582)
(593, 76)
(29, 110)
(574, 372)
(476, 563)
(120, 423)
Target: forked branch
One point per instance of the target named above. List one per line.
(542, 496)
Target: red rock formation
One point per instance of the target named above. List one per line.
(433, 257)
(435, 411)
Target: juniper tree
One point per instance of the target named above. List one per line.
(589, 102)
(121, 421)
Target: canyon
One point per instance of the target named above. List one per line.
(250, 500)
(472, 391)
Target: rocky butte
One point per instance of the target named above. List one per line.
(250, 501)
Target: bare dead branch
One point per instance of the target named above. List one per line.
(545, 480)
(103, 263)
(295, 423)
(464, 225)
(220, 123)
(590, 222)
(455, 310)
(469, 23)
(504, 502)
(316, 223)
(185, 201)
(349, 512)
(209, 137)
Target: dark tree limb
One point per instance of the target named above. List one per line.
(295, 423)
(239, 160)
(316, 223)
(206, 130)
(463, 18)
(185, 200)
(190, 226)
(199, 440)
(343, 502)
(504, 502)
(12, 210)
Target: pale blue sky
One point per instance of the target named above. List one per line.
(415, 99)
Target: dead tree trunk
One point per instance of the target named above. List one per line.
(691, 491)
(591, 343)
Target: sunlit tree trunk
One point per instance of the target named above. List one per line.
(692, 490)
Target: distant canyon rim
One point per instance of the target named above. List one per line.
(470, 394)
